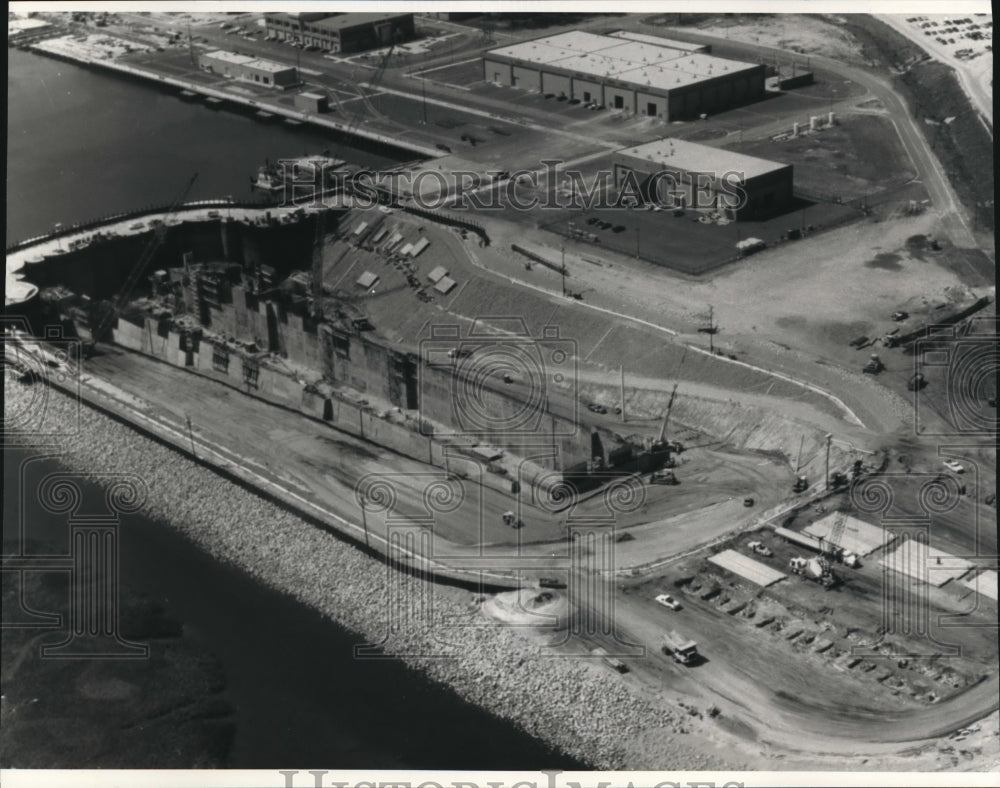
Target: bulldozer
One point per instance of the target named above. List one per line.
(874, 365)
(663, 476)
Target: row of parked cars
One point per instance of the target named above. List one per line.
(591, 105)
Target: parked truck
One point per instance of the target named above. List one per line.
(682, 649)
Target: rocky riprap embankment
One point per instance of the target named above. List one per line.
(581, 709)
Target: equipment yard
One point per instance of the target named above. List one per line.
(665, 344)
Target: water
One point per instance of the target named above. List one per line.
(83, 144)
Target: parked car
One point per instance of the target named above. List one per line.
(954, 466)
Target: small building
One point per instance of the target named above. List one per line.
(344, 33)
(689, 175)
(249, 69)
(312, 102)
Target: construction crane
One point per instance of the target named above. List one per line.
(159, 234)
(833, 539)
(661, 445)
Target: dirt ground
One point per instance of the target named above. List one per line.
(805, 34)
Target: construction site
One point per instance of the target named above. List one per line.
(709, 450)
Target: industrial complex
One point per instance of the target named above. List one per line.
(472, 358)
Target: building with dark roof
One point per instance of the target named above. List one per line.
(344, 33)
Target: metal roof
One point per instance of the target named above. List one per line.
(661, 64)
(693, 157)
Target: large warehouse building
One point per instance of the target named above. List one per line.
(249, 69)
(701, 177)
(640, 74)
(344, 33)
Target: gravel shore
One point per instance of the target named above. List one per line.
(578, 708)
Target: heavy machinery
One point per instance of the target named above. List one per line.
(99, 331)
(816, 569)
(831, 544)
(663, 449)
(760, 549)
(916, 382)
(663, 476)
(874, 365)
(682, 649)
(801, 484)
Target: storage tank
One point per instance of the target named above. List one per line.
(795, 129)
(829, 119)
(814, 123)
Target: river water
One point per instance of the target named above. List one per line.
(83, 144)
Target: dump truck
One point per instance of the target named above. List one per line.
(682, 649)
(612, 662)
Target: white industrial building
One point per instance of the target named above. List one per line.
(640, 74)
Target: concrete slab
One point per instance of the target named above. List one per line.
(858, 536)
(752, 570)
(925, 563)
(984, 583)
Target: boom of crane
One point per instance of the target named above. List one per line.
(135, 273)
(661, 446)
(833, 539)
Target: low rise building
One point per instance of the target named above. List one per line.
(344, 33)
(701, 177)
(249, 69)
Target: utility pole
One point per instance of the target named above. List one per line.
(562, 269)
(622, 368)
(798, 460)
(829, 438)
(190, 436)
(423, 93)
(711, 328)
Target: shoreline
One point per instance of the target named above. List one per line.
(45, 49)
(577, 709)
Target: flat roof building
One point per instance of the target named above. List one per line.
(638, 74)
(690, 175)
(249, 69)
(346, 33)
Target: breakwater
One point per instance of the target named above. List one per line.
(574, 706)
